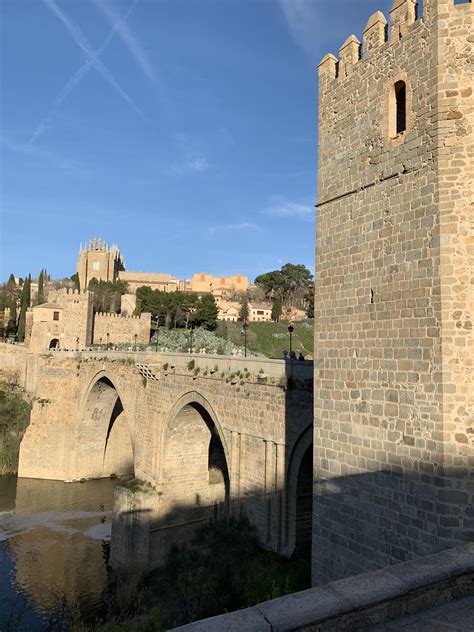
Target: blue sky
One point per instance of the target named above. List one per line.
(183, 130)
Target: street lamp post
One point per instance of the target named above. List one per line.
(156, 331)
(108, 337)
(191, 331)
(135, 336)
(291, 329)
(245, 327)
(77, 343)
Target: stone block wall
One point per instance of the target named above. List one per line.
(393, 448)
(20, 366)
(117, 329)
(73, 326)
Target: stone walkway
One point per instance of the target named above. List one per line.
(455, 616)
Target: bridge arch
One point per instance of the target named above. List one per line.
(195, 460)
(104, 439)
(299, 479)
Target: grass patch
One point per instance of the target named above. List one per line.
(223, 569)
(271, 339)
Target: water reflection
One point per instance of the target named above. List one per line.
(54, 540)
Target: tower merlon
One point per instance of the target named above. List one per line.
(402, 16)
(375, 33)
(349, 55)
(328, 66)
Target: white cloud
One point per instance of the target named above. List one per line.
(191, 164)
(43, 155)
(25, 149)
(304, 23)
(91, 60)
(129, 39)
(285, 208)
(233, 227)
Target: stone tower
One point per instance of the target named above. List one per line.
(100, 262)
(393, 441)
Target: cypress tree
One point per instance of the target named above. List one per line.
(11, 286)
(25, 303)
(244, 309)
(276, 309)
(12, 321)
(40, 296)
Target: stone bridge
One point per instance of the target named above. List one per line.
(204, 435)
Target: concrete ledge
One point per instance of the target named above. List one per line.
(358, 602)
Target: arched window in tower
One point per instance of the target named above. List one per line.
(401, 106)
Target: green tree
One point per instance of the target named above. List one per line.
(290, 283)
(12, 322)
(244, 309)
(271, 282)
(40, 296)
(11, 288)
(296, 278)
(174, 309)
(309, 301)
(25, 303)
(75, 279)
(276, 309)
(107, 295)
(206, 312)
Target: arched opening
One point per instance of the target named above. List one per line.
(299, 496)
(104, 446)
(54, 344)
(194, 463)
(217, 467)
(401, 106)
(304, 505)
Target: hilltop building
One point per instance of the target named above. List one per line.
(258, 312)
(99, 261)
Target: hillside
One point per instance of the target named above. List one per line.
(271, 339)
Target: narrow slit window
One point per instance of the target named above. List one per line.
(401, 105)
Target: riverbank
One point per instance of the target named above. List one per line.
(223, 568)
(14, 419)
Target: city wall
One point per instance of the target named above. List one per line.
(117, 329)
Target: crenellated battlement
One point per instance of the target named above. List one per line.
(68, 294)
(379, 33)
(115, 317)
(392, 293)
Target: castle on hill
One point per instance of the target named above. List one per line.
(97, 260)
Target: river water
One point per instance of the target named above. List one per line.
(54, 542)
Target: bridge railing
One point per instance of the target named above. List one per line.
(298, 369)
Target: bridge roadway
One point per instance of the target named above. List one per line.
(206, 434)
